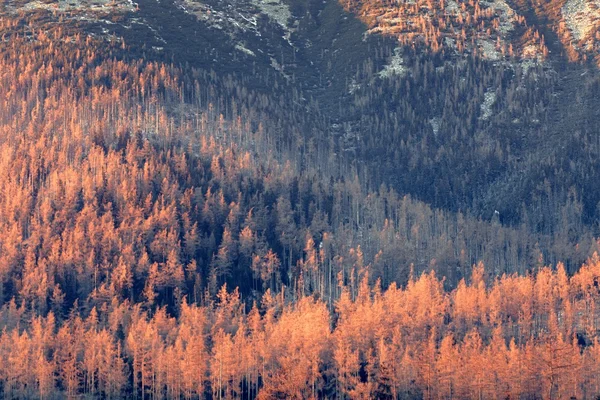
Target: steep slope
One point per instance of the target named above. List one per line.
(209, 200)
(475, 107)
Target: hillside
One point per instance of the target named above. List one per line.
(299, 199)
(487, 100)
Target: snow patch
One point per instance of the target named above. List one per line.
(276, 10)
(395, 66)
(243, 49)
(278, 67)
(353, 87)
(488, 49)
(241, 16)
(231, 20)
(489, 98)
(435, 123)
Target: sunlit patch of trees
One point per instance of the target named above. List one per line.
(560, 17)
(453, 26)
(514, 336)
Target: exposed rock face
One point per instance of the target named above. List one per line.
(80, 9)
(582, 17)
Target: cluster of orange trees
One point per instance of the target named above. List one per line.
(515, 337)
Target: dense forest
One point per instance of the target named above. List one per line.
(171, 230)
(526, 337)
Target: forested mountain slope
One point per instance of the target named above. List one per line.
(487, 100)
(214, 199)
